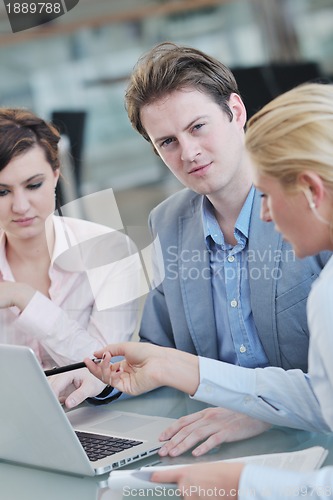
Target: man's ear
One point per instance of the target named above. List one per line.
(238, 109)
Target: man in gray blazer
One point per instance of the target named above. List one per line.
(228, 287)
(233, 290)
(180, 311)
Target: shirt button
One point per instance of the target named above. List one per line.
(234, 303)
(242, 348)
(231, 258)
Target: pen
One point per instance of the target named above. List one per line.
(68, 368)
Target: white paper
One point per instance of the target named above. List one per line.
(302, 461)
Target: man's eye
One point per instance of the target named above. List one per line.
(3, 192)
(166, 142)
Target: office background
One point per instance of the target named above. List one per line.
(75, 69)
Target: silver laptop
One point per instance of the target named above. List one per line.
(36, 431)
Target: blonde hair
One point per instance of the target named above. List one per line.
(293, 133)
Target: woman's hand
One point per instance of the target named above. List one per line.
(139, 372)
(209, 479)
(73, 387)
(213, 426)
(145, 367)
(15, 294)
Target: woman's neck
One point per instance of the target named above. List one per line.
(31, 250)
(29, 261)
(25, 251)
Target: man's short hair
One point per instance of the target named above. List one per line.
(169, 67)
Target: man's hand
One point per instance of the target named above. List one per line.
(213, 426)
(200, 480)
(74, 387)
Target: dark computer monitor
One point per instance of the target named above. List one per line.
(72, 124)
(260, 84)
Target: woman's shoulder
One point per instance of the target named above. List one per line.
(82, 227)
(93, 237)
(326, 275)
(321, 295)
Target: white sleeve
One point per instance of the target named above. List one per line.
(262, 483)
(270, 394)
(65, 339)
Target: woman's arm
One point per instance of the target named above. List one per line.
(85, 311)
(243, 482)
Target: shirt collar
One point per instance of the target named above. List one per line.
(76, 244)
(66, 252)
(5, 269)
(242, 226)
(243, 220)
(63, 237)
(63, 240)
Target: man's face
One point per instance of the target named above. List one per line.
(196, 140)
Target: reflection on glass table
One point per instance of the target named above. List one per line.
(19, 482)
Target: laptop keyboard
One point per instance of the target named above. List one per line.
(97, 446)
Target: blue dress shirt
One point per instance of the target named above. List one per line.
(238, 341)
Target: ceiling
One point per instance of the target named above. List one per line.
(100, 12)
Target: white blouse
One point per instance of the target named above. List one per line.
(95, 283)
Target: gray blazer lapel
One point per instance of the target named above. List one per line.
(195, 282)
(263, 263)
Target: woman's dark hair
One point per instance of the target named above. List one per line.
(20, 130)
